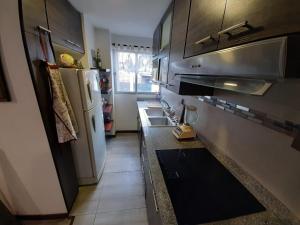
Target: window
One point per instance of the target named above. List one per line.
(134, 72)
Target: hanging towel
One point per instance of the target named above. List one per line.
(66, 124)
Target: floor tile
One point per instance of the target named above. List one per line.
(121, 163)
(121, 190)
(88, 193)
(121, 203)
(128, 217)
(124, 150)
(84, 220)
(84, 207)
(122, 178)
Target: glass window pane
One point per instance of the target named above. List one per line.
(125, 68)
(144, 74)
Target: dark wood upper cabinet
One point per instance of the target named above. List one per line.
(178, 35)
(65, 24)
(34, 14)
(156, 41)
(251, 20)
(205, 21)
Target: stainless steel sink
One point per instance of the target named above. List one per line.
(160, 121)
(155, 112)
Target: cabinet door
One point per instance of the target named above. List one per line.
(264, 19)
(204, 23)
(178, 35)
(34, 14)
(156, 41)
(65, 24)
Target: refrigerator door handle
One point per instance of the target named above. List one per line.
(89, 90)
(94, 123)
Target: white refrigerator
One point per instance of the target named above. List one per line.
(89, 151)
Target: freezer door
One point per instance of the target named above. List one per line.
(90, 89)
(95, 126)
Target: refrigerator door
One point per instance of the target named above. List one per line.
(90, 89)
(80, 147)
(95, 127)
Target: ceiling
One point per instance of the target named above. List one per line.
(124, 17)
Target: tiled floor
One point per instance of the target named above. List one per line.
(119, 197)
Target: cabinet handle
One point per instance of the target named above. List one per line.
(143, 159)
(170, 85)
(143, 171)
(150, 176)
(73, 43)
(43, 29)
(202, 41)
(234, 27)
(155, 202)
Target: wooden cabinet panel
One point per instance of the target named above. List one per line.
(62, 153)
(34, 14)
(178, 35)
(156, 41)
(205, 21)
(65, 24)
(265, 19)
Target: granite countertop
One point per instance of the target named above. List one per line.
(161, 138)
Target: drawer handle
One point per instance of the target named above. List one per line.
(155, 202)
(150, 177)
(202, 41)
(43, 29)
(234, 27)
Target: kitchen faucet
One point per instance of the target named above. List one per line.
(164, 102)
(169, 111)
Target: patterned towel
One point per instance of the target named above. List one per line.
(66, 124)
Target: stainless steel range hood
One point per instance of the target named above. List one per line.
(249, 68)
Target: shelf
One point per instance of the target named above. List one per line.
(106, 92)
(108, 126)
(108, 108)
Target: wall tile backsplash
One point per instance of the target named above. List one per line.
(287, 127)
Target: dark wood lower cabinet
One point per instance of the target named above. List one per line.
(150, 194)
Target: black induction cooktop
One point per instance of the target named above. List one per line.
(201, 189)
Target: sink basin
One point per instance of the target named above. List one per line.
(155, 112)
(160, 121)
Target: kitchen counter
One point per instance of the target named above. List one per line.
(161, 138)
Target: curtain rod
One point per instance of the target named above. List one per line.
(135, 46)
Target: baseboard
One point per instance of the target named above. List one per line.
(44, 217)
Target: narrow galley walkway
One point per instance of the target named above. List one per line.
(119, 198)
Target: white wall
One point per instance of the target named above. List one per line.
(125, 104)
(126, 111)
(28, 180)
(103, 42)
(89, 41)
